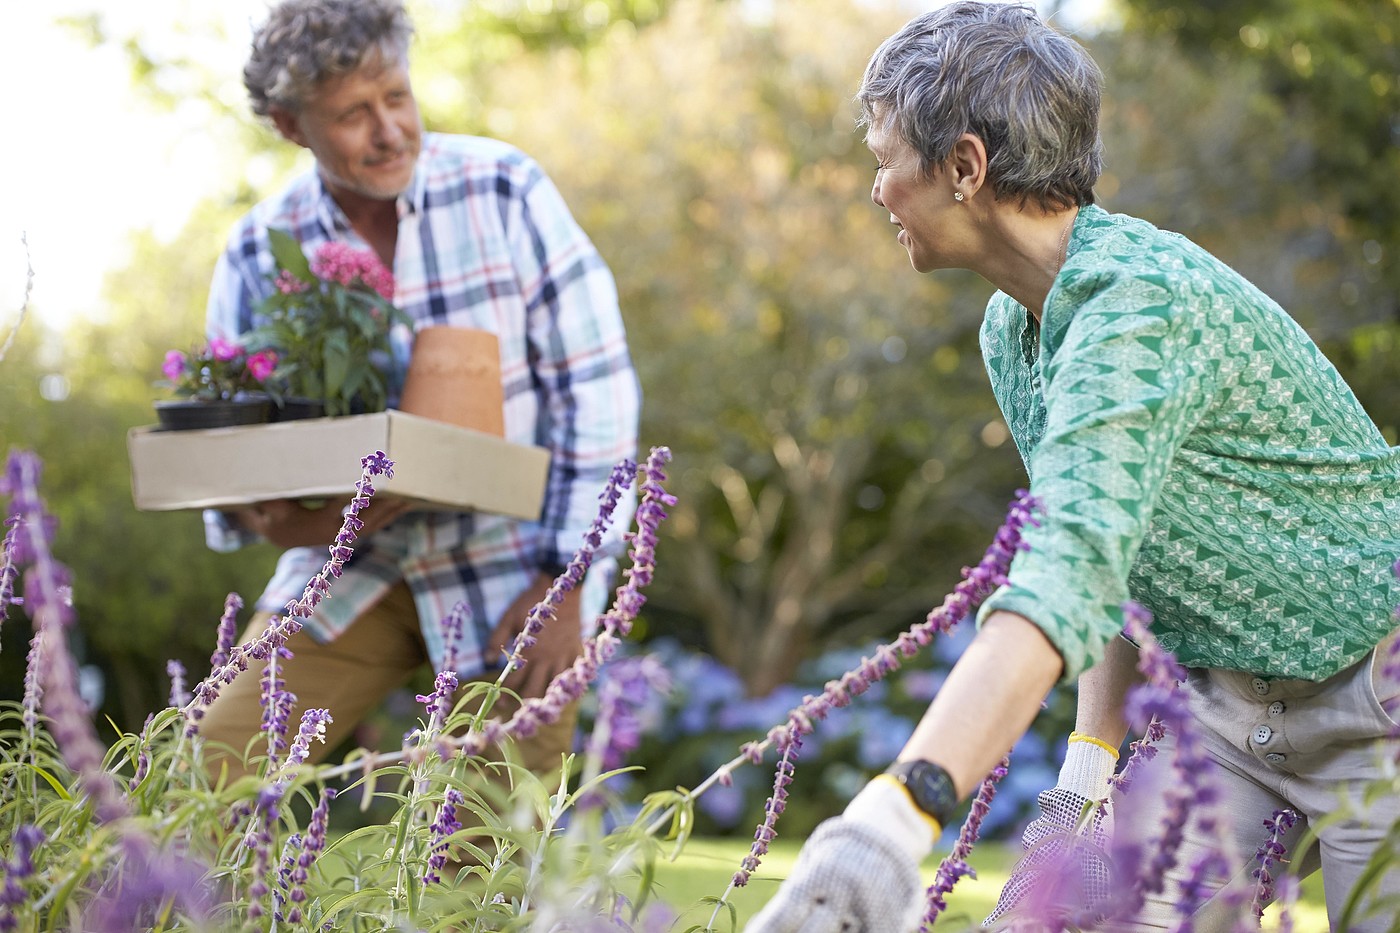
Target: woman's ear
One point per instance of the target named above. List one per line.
(967, 165)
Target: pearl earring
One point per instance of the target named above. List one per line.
(957, 195)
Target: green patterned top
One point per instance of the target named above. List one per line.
(1195, 451)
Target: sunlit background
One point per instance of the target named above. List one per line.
(92, 159)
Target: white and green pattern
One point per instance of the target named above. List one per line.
(1195, 451)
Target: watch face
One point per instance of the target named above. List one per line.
(930, 786)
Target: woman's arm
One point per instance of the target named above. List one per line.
(989, 700)
(1102, 690)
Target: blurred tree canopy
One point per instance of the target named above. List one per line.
(838, 455)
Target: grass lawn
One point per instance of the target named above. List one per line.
(706, 865)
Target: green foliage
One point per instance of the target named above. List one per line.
(330, 331)
(1334, 66)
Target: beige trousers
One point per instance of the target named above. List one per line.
(350, 676)
(1313, 747)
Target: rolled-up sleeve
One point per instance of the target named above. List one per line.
(1123, 390)
(591, 398)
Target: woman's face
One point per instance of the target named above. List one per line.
(922, 207)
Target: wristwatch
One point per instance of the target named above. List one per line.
(929, 786)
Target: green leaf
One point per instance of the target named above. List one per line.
(288, 253)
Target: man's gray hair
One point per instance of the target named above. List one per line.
(304, 42)
(997, 71)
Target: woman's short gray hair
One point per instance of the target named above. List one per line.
(304, 42)
(994, 70)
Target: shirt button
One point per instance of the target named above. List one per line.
(1262, 735)
(1275, 708)
(1260, 685)
(1274, 757)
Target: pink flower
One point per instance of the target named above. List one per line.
(174, 365)
(223, 350)
(339, 262)
(288, 284)
(261, 364)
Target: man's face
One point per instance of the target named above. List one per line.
(364, 130)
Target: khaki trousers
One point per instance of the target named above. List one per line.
(350, 676)
(1313, 747)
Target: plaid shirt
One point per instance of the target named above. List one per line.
(484, 241)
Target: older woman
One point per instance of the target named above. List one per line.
(1192, 450)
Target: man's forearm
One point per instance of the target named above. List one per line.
(988, 701)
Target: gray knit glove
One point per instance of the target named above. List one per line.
(848, 878)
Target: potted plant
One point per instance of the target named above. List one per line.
(328, 320)
(216, 385)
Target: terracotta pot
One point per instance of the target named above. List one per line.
(454, 375)
(188, 414)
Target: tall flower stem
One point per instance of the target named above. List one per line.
(954, 866)
(976, 585)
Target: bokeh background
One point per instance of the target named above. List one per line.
(838, 455)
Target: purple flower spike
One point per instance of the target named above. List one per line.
(19, 868)
(280, 628)
(1269, 854)
(543, 612)
(954, 867)
(772, 809)
(613, 625)
(625, 690)
(228, 631)
(8, 571)
(311, 849)
(179, 696)
(977, 584)
(443, 827)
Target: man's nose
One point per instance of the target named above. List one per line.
(387, 132)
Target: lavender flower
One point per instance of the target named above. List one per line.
(625, 688)
(313, 729)
(8, 571)
(52, 675)
(1160, 699)
(276, 704)
(311, 849)
(19, 868)
(544, 611)
(443, 827)
(955, 867)
(439, 702)
(452, 628)
(613, 625)
(228, 631)
(285, 866)
(772, 808)
(1271, 852)
(280, 628)
(176, 671)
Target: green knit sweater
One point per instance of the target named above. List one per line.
(1193, 450)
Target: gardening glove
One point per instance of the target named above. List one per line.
(859, 872)
(1065, 865)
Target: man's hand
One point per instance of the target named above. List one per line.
(287, 523)
(848, 878)
(557, 646)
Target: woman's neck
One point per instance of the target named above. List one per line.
(1026, 249)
